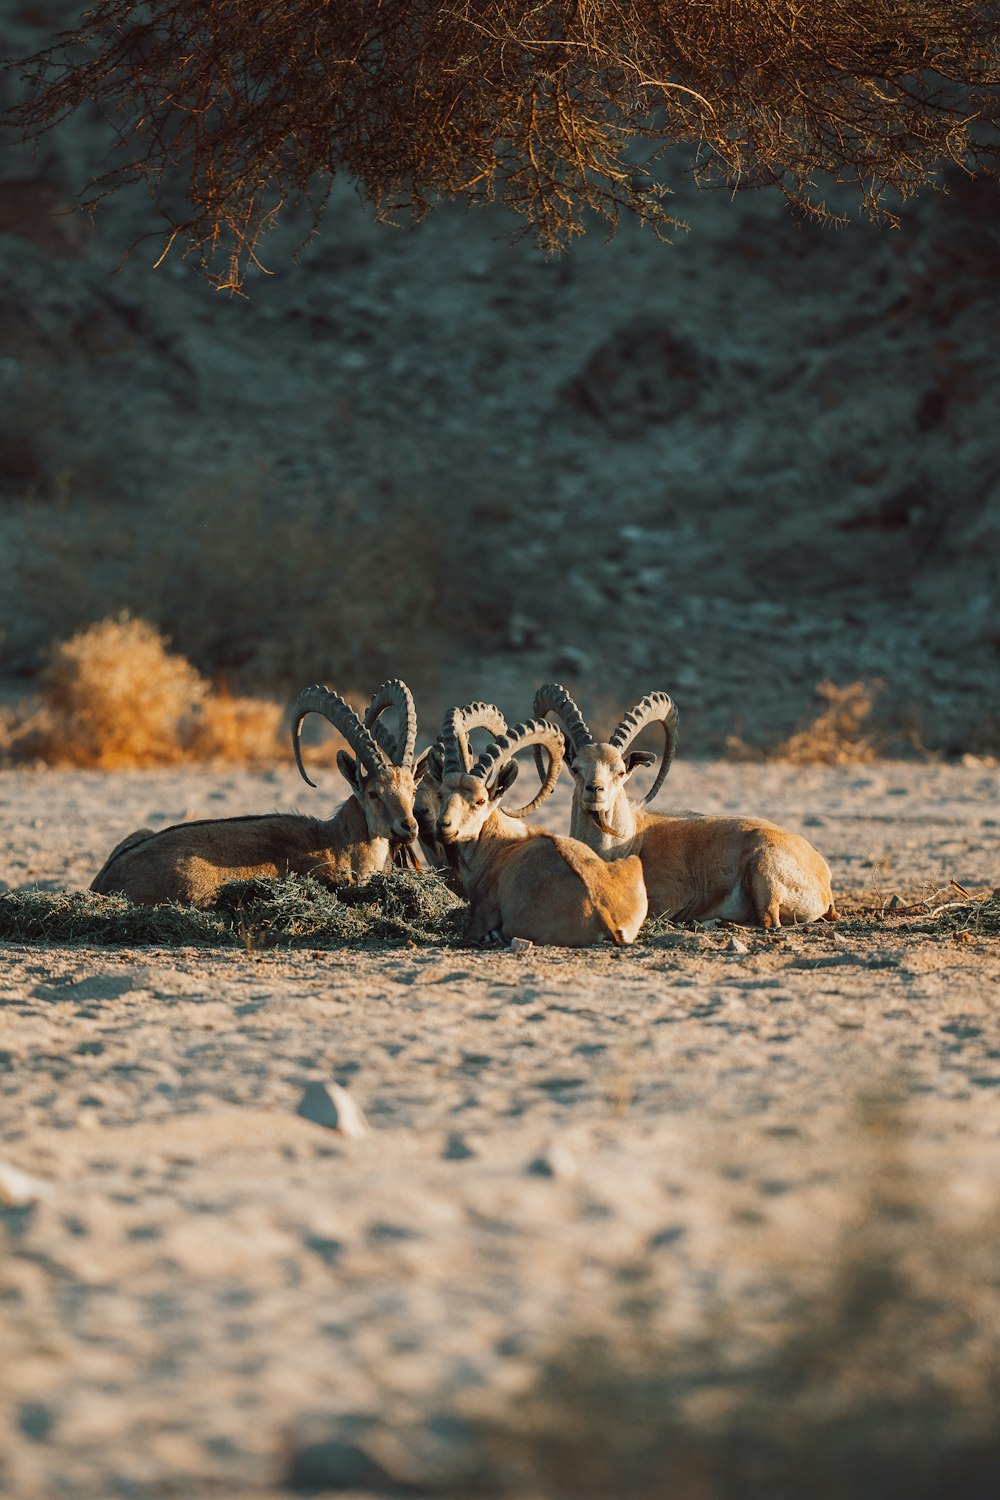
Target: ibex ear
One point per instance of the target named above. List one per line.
(505, 778)
(430, 763)
(640, 758)
(351, 771)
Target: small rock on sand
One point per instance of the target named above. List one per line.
(332, 1106)
(17, 1189)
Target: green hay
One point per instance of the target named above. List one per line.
(397, 908)
(981, 918)
(70, 917)
(400, 907)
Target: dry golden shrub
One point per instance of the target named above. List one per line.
(839, 735)
(248, 730)
(115, 696)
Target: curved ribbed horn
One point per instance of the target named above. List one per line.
(484, 716)
(654, 708)
(548, 778)
(552, 698)
(459, 724)
(455, 743)
(534, 732)
(334, 708)
(479, 716)
(394, 694)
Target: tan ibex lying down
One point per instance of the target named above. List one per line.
(520, 882)
(428, 801)
(190, 862)
(741, 869)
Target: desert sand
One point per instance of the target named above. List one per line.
(734, 468)
(204, 1294)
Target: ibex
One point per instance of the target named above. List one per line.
(739, 869)
(427, 803)
(190, 862)
(523, 883)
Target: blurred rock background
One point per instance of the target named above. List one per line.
(764, 456)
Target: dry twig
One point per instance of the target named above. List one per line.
(555, 107)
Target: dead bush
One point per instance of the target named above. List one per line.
(563, 111)
(250, 731)
(113, 695)
(839, 735)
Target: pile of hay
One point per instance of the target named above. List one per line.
(67, 917)
(400, 907)
(981, 918)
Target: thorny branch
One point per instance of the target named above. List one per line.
(558, 108)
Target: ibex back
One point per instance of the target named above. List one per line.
(522, 883)
(741, 869)
(190, 862)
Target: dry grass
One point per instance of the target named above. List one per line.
(839, 735)
(412, 907)
(249, 731)
(399, 907)
(953, 912)
(114, 695)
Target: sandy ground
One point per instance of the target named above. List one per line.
(207, 1284)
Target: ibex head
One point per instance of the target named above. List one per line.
(430, 768)
(601, 768)
(470, 793)
(380, 773)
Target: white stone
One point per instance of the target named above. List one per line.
(17, 1188)
(330, 1105)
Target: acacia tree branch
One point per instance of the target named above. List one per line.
(234, 107)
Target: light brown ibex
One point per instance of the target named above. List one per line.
(696, 867)
(427, 803)
(521, 882)
(190, 862)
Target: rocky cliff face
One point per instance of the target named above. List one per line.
(730, 467)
